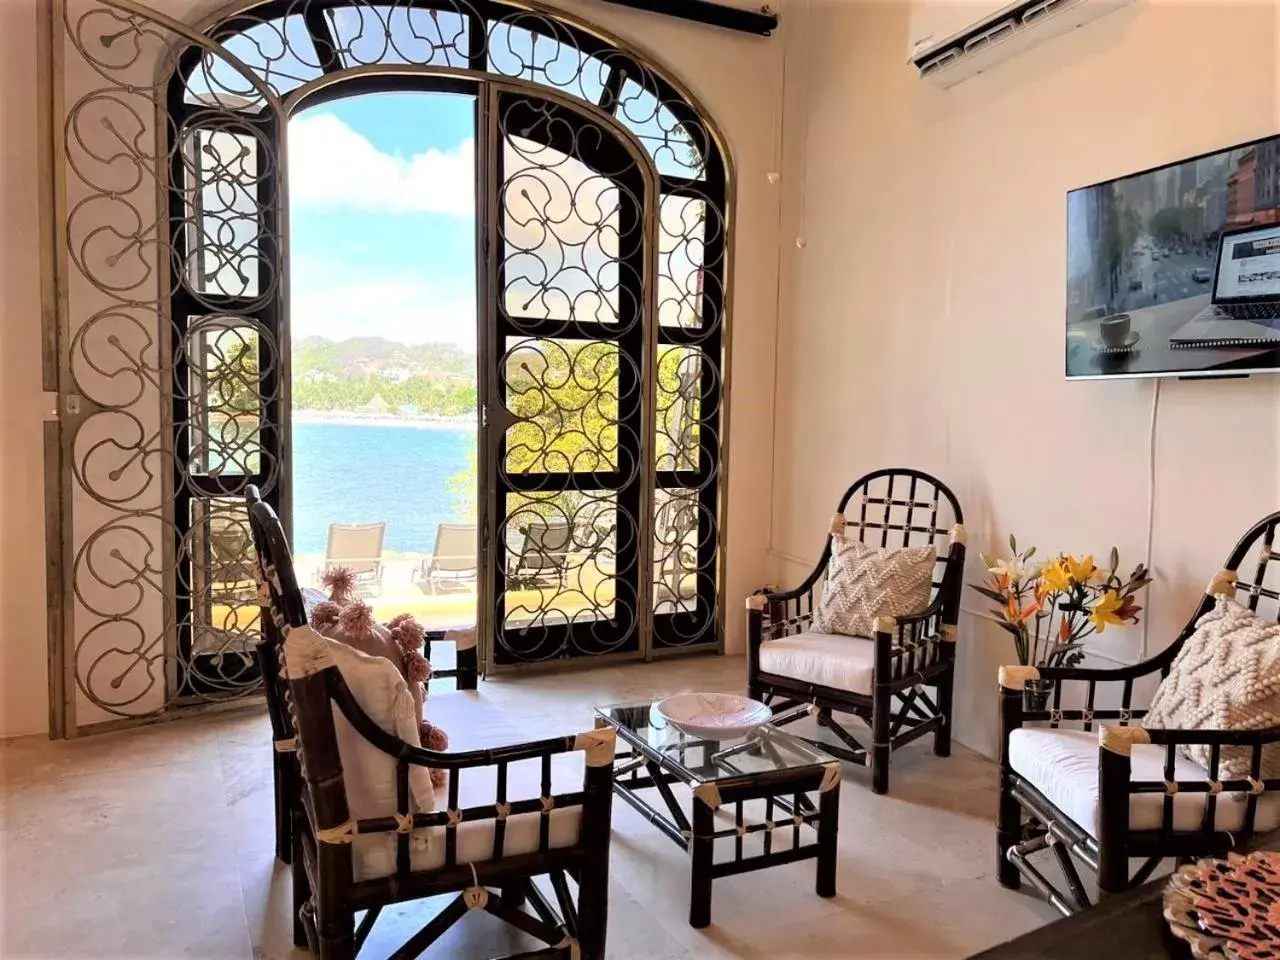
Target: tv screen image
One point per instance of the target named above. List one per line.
(1176, 271)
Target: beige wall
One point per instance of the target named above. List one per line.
(923, 319)
(23, 684)
(737, 78)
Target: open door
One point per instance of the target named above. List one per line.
(171, 271)
(564, 430)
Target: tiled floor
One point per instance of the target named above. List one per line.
(159, 843)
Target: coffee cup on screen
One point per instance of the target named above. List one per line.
(1115, 329)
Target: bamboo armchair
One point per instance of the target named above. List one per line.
(1098, 800)
(892, 670)
(267, 653)
(503, 843)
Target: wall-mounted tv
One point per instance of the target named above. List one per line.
(1176, 271)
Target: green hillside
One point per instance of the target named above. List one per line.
(372, 373)
(354, 357)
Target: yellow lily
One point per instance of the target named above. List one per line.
(1055, 576)
(1081, 570)
(1107, 611)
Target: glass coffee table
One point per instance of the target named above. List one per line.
(796, 786)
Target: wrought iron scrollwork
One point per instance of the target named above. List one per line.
(160, 210)
(171, 212)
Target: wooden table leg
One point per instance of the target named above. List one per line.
(828, 821)
(703, 855)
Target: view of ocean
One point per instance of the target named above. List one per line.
(350, 472)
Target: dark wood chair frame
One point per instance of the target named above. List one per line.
(327, 898)
(1027, 822)
(911, 653)
(465, 674)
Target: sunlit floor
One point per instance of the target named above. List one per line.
(159, 843)
(588, 587)
(401, 590)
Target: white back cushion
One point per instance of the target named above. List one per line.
(864, 583)
(369, 774)
(1225, 677)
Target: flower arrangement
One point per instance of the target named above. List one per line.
(1051, 608)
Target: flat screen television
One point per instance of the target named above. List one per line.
(1176, 271)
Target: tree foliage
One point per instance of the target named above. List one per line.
(1167, 226)
(567, 398)
(424, 395)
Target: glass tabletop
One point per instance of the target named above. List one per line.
(767, 749)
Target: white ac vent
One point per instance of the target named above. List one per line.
(947, 46)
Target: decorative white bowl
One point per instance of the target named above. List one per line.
(713, 716)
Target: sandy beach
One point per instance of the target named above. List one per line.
(382, 420)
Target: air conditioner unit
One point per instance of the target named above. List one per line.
(952, 40)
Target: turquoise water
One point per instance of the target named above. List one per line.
(359, 473)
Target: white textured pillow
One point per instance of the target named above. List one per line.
(1225, 677)
(864, 583)
(369, 774)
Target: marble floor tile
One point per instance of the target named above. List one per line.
(159, 842)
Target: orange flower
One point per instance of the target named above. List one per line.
(1026, 613)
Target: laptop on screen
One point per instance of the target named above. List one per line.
(1245, 307)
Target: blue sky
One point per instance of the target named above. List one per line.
(382, 226)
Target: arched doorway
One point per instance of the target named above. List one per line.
(602, 199)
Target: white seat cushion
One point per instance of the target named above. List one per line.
(369, 776)
(478, 787)
(832, 660)
(1063, 766)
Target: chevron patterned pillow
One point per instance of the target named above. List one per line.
(867, 582)
(1225, 677)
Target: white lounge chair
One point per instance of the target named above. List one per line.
(358, 547)
(452, 563)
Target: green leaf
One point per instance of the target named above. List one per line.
(1013, 544)
(1031, 553)
(988, 593)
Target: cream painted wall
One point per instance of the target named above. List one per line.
(23, 683)
(735, 76)
(922, 321)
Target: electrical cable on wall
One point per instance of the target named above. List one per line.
(775, 177)
(1151, 503)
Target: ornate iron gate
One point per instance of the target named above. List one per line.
(171, 359)
(603, 205)
(566, 437)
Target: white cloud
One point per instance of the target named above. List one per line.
(404, 310)
(333, 167)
